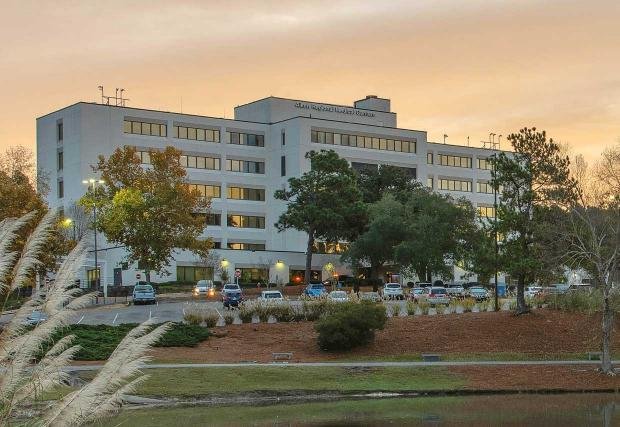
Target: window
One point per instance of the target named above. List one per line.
(239, 246)
(196, 134)
(454, 185)
(60, 161)
(145, 128)
(484, 187)
(455, 161)
(254, 275)
(246, 221)
(283, 166)
(213, 219)
(239, 193)
(245, 166)
(59, 131)
(429, 183)
(247, 139)
(429, 158)
(61, 189)
(207, 190)
(194, 274)
(485, 164)
(329, 248)
(486, 211)
(373, 143)
(200, 162)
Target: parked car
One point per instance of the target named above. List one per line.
(232, 299)
(437, 295)
(144, 294)
(315, 290)
(558, 288)
(230, 287)
(456, 291)
(532, 291)
(417, 294)
(370, 296)
(423, 285)
(271, 296)
(35, 318)
(478, 293)
(580, 287)
(338, 296)
(393, 291)
(204, 287)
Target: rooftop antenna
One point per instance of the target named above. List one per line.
(468, 140)
(444, 138)
(101, 89)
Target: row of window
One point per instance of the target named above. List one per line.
(454, 185)
(486, 211)
(247, 139)
(456, 161)
(246, 221)
(459, 161)
(198, 134)
(206, 190)
(144, 128)
(211, 163)
(359, 141)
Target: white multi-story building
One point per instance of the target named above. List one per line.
(240, 162)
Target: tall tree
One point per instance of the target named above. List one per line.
(532, 181)
(324, 202)
(374, 183)
(591, 238)
(375, 246)
(150, 211)
(434, 229)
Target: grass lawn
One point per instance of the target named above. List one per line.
(197, 381)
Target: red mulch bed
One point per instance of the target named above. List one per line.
(540, 333)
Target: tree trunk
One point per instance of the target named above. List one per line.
(608, 323)
(521, 306)
(147, 274)
(309, 257)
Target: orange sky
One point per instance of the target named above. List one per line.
(455, 67)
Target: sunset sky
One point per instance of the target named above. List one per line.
(464, 68)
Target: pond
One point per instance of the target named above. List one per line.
(505, 410)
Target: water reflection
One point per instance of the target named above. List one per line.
(505, 410)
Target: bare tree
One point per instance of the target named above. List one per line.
(593, 239)
(81, 221)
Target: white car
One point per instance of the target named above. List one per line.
(338, 296)
(393, 291)
(230, 287)
(204, 287)
(456, 291)
(437, 295)
(271, 296)
(532, 291)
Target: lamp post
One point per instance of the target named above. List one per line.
(93, 183)
(495, 220)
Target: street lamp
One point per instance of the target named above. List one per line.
(67, 222)
(92, 184)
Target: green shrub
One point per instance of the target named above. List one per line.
(424, 307)
(229, 318)
(211, 319)
(440, 308)
(395, 310)
(468, 304)
(283, 312)
(411, 308)
(97, 342)
(246, 313)
(351, 326)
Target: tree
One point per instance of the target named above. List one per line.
(479, 251)
(374, 183)
(591, 237)
(151, 211)
(324, 202)
(375, 247)
(434, 229)
(532, 182)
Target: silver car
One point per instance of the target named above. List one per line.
(393, 291)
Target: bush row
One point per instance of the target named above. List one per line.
(98, 341)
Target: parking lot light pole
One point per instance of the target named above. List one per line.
(93, 183)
